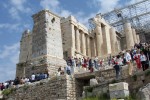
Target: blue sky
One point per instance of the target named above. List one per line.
(15, 17)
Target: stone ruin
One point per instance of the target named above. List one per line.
(53, 39)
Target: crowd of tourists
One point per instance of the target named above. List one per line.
(139, 54)
(23, 80)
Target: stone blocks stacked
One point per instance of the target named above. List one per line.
(118, 90)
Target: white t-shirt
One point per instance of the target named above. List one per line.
(143, 58)
(128, 57)
(33, 77)
(26, 80)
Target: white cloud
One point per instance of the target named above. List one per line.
(9, 56)
(9, 50)
(14, 13)
(11, 27)
(106, 5)
(54, 5)
(17, 7)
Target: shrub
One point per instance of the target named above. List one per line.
(8, 91)
(104, 96)
(89, 89)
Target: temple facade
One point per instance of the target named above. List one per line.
(101, 41)
(54, 39)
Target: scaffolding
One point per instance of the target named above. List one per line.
(138, 14)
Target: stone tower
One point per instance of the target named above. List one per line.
(47, 39)
(43, 48)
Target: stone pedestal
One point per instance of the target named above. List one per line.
(129, 35)
(118, 90)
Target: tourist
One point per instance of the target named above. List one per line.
(2, 87)
(33, 77)
(59, 71)
(90, 65)
(117, 69)
(84, 63)
(96, 62)
(137, 59)
(16, 82)
(128, 61)
(46, 76)
(69, 61)
(6, 85)
(109, 59)
(37, 77)
(143, 60)
(27, 80)
(78, 62)
(68, 69)
(73, 62)
(22, 80)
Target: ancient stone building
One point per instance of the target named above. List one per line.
(41, 49)
(54, 39)
(101, 41)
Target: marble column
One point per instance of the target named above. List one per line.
(93, 47)
(99, 40)
(113, 40)
(129, 35)
(134, 35)
(88, 53)
(107, 45)
(78, 40)
(83, 46)
(73, 40)
(138, 38)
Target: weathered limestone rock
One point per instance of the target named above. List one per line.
(144, 93)
(118, 90)
(93, 82)
(25, 46)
